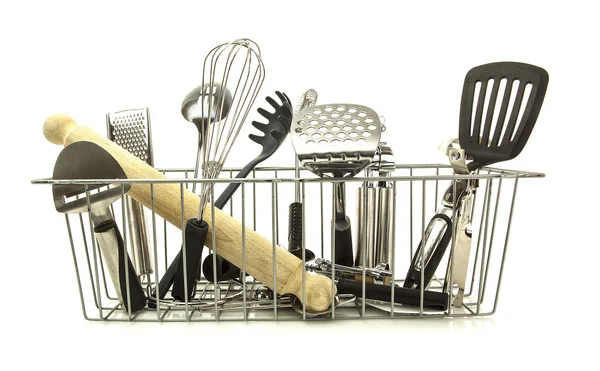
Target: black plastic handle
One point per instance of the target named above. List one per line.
(225, 269)
(136, 292)
(431, 299)
(195, 237)
(232, 187)
(413, 276)
(295, 232)
(343, 243)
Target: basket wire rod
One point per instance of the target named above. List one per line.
(103, 274)
(87, 256)
(186, 177)
(491, 243)
(483, 222)
(332, 276)
(231, 199)
(365, 222)
(422, 286)
(449, 285)
(76, 266)
(488, 197)
(510, 216)
(301, 194)
(322, 224)
(276, 214)
(244, 293)
(297, 176)
(479, 239)
(155, 250)
(393, 257)
(273, 244)
(254, 200)
(214, 251)
(437, 174)
(165, 237)
(184, 251)
(410, 208)
(93, 238)
(125, 256)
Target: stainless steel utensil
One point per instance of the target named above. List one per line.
(195, 109)
(337, 140)
(86, 160)
(375, 213)
(131, 130)
(324, 266)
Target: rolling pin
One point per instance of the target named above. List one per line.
(62, 129)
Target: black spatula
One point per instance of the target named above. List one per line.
(514, 93)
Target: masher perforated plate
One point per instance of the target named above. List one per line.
(130, 129)
(336, 139)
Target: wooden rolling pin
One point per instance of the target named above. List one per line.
(62, 129)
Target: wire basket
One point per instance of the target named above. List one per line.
(261, 203)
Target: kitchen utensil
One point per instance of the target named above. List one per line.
(131, 130)
(499, 107)
(275, 133)
(239, 65)
(85, 160)
(307, 100)
(335, 140)
(324, 266)
(195, 109)
(431, 299)
(166, 200)
(374, 228)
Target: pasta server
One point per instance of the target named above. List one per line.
(337, 141)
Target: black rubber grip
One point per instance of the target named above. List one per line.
(413, 276)
(431, 299)
(195, 236)
(136, 292)
(343, 243)
(225, 269)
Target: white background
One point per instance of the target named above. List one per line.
(407, 61)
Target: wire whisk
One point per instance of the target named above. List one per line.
(238, 67)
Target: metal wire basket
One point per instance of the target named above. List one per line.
(262, 204)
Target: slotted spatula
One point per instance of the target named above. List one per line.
(499, 107)
(498, 131)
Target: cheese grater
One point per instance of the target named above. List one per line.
(130, 129)
(337, 140)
